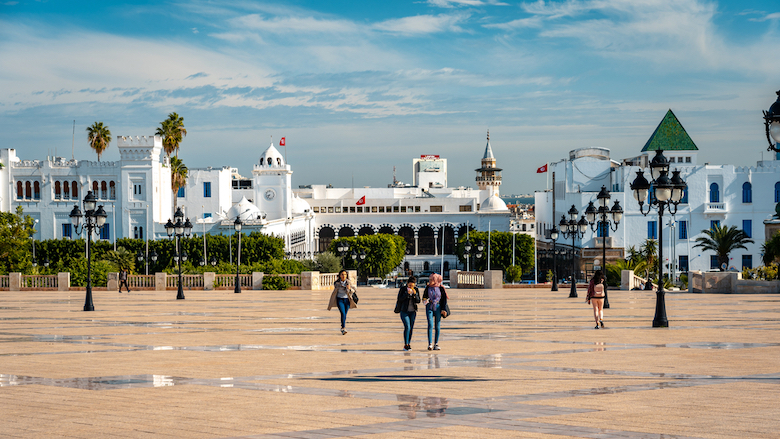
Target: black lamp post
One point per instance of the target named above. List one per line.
(178, 230)
(554, 237)
(576, 230)
(94, 220)
(342, 247)
(667, 194)
(358, 258)
(604, 219)
(467, 253)
(237, 225)
(772, 125)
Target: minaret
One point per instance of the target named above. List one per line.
(489, 176)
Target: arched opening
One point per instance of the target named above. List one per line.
(57, 190)
(95, 189)
(327, 235)
(37, 187)
(715, 193)
(19, 190)
(27, 190)
(270, 161)
(426, 241)
(346, 232)
(747, 192)
(462, 230)
(446, 267)
(103, 190)
(74, 190)
(66, 190)
(427, 266)
(387, 230)
(449, 240)
(112, 190)
(407, 233)
(365, 231)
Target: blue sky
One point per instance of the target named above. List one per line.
(358, 87)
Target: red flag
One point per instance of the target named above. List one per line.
(361, 201)
(281, 142)
(541, 169)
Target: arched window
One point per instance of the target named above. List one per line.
(141, 232)
(426, 243)
(747, 192)
(19, 190)
(326, 236)
(427, 266)
(95, 191)
(135, 232)
(27, 190)
(103, 190)
(279, 161)
(446, 265)
(715, 193)
(37, 187)
(270, 161)
(74, 190)
(57, 191)
(66, 190)
(112, 190)
(777, 192)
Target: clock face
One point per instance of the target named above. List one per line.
(270, 194)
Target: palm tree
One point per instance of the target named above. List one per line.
(723, 240)
(120, 259)
(178, 177)
(98, 136)
(649, 253)
(172, 132)
(771, 249)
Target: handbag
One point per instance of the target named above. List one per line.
(355, 297)
(447, 310)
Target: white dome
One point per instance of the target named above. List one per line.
(493, 204)
(271, 157)
(245, 209)
(300, 206)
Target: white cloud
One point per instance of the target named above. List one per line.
(457, 3)
(423, 24)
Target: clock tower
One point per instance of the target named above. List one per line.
(272, 179)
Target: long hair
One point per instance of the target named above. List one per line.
(598, 276)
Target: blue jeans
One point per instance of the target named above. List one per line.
(434, 318)
(408, 319)
(343, 304)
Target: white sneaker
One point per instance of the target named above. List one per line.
(430, 347)
(436, 347)
(343, 331)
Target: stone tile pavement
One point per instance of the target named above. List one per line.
(523, 363)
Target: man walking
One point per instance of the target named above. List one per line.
(123, 280)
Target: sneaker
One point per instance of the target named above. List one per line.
(343, 331)
(597, 326)
(407, 347)
(430, 347)
(602, 323)
(436, 347)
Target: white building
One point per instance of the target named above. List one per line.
(725, 194)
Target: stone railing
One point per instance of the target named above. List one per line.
(630, 281)
(189, 281)
(476, 279)
(19, 282)
(293, 279)
(729, 282)
(40, 282)
(327, 280)
(5, 282)
(141, 282)
(222, 281)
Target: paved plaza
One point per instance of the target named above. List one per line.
(523, 363)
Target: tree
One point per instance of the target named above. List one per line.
(179, 173)
(649, 253)
(723, 240)
(15, 244)
(98, 136)
(120, 259)
(384, 252)
(501, 251)
(172, 132)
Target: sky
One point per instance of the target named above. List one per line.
(360, 87)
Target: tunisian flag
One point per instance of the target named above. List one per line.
(361, 201)
(281, 142)
(541, 169)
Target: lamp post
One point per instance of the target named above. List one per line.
(604, 219)
(467, 253)
(772, 125)
(237, 225)
(667, 194)
(176, 231)
(359, 258)
(554, 237)
(574, 229)
(342, 247)
(94, 220)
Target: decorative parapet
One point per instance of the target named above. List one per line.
(27, 164)
(139, 147)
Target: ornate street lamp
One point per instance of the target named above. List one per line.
(467, 253)
(343, 248)
(358, 258)
(237, 225)
(94, 220)
(667, 194)
(604, 219)
(554, 237)
(177, 230)
(772, 125)
(576, 230)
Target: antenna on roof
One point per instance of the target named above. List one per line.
(394, 180)
(73, 142)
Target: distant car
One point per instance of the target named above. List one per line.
(422, 282)
(374, 281)
(446, 284)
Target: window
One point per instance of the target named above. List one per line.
(747, 192)
(684, 199)
(74, 190)
(747, 227)
(465, 208)
(103, 190)
(652, 230)
(19, 190)
(436, 209)
(714, 224)
(57, 191)
(330, 210)
(714, 262)
(105, 231)
(777, 192)
(206, 189)
(66, 189)
(403, 209)
(747, 261)
(351, 209)
(182, 192)
(67, 230)
(687, 159)
(27, 190)
(141, 232)
(381, 209)
(683, 230)
(206, 215)
(396, 209)
(95, 190)
(360, 209)
(373, 209)
(135, 232)
(316, 209)
(37, 190)
(683, 265)
(112, 190)
(416, 208)
(602, 231)
(338, 209)
(715, 193)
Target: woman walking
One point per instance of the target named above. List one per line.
(596, 297)
(341, 297)
(435, 299)
(406, 305)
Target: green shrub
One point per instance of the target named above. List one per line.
(275, 283)
(513, 273)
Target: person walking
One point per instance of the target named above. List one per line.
(435, 299)
(596, 297)
(123, 280)
(406, 306)
(341, 297)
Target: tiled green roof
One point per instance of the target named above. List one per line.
(670, 136)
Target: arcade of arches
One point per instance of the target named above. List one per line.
(422, 240)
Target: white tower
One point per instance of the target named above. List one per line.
(273, 184)
(489, 176)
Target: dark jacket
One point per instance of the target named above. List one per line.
(402, 303)
(442, 301)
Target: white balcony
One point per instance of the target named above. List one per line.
(715, 208)
(600, 244)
